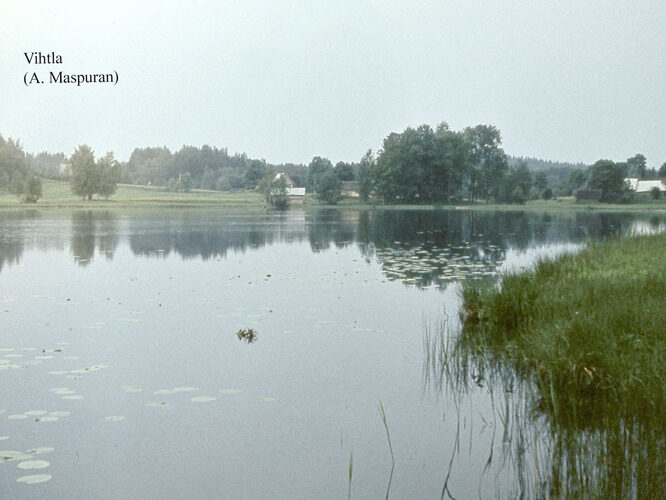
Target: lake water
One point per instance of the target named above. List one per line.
(122, 373)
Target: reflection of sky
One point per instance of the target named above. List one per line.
(334, 337)
(519, 259)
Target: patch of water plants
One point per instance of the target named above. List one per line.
(576, 349)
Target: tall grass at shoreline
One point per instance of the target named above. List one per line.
(590, 328)
(571, 354)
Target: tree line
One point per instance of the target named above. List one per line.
(420, 165)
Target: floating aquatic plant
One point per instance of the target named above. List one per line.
(34, 479)
(177, 390)
(13, 456)
(247, 335)
(36, 413)
(33, 464)
(203, 399)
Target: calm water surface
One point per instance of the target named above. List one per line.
(122, 375)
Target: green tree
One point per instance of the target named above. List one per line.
(637, 166)
(16, 185)
(655, 193)
(12, 159)
(518, 176)
(404, 166)
(575, 180)
(541, 180)
(275, 190)
(329, 188)
(366, 172)
(184, 183)
(108, 175)
(317, 167)
(255, 173)
(344, 171)
(85, 180)
(608, 177)
(487, 160)
(662, 171)
(32, 190)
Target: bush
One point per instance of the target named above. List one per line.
(32, 189)
(655, 193)
(518, 196)
(547, 194)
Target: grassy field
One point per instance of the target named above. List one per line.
(590, 328)
(58, 194)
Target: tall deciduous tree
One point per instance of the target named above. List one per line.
(108, 175)
(608, 177)
(316, 169)
(84, 180)
(32, 190)
(637, 166)
(662, 170)
(488, 162)
(366, 172)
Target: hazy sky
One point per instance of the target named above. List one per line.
(285, 81)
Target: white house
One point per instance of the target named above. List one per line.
(293, 192)
(644, 186)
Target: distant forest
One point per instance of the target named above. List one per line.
(418, 165)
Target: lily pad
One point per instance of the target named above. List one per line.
(62, 390)
(12, 456)
(36, 413)
(114, 418)
(59, 413)
(33, 464)
(34, 479)
(18, 416)
(231, 391)
(203, 399)
(47, 419)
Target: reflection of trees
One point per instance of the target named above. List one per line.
(211, 234)
(331, 226)
(436, 247)
(414, 246)
(12, 240)
(551, 443)
(90, 230)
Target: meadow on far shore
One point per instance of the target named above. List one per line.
(57, 194)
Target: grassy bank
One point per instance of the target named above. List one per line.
(589, 329)
(58, 194)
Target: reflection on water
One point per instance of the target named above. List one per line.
(549, 444)
(121, 328)
(420, 248)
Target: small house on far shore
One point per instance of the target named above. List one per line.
(644, 186)
(296, 194)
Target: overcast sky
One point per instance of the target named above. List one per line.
(285, 81)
